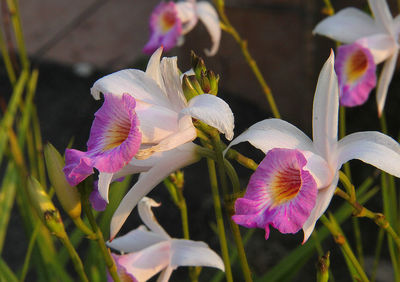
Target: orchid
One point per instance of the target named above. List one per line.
(294, 184)
(379, 34)
(170, 21)
(147, 252)
(165, 123)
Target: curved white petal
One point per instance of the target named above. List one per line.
(325, 110)
(209, 17)
(396, 24)
(136, 240)
(324, 197)
(104, 184)
(381, 45)
(373, 148)
(153, 68)
(148, 262)
(172, 82)
(384, 81)
(165, 274)
(274, 133)
(347, 26)
(194, 253)
(382, 14)
(187, 15)
(319, 169)
(148, 218)
(213, 111)
(173, 160)
(134, 82)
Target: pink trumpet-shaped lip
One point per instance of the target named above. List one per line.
(280, 193)
(356, 73)
(165, 28)
(114, 140)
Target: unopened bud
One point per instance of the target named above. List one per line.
(205, 83)
(323, 268)
(214, 79)
(188, 90)
(67, 195)
(45, 208)
(195, 84)
(198, 65)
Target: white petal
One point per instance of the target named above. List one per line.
(347, 26)
(384, 81)
(381, 45)
(209, 17)
(373, 148)
(274, 133)
(173, 160)
(319, 169)
(172, 82)
(187, 15)
(325, 110)
(187, 73)
(136, 240)
(146, 263)
(324, 197)
(213, 111)
(148, 218)
(165, 275)
(382, 14)
(396, 24)
(134, 82)
(153, 68)
(104, 184)
(194, 253)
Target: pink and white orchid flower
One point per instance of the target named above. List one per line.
(170, 21)
(294, 184)
(379, 34)
(147, 252)
(165, 123)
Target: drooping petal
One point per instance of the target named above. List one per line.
(347, 26)
(136, 240)
(148, 262)
(279, 193)
(153, 68)
(173, 160)
(96, 200)
(187, 15)
(104, 184)
(165, 27)
(194, 253)
(384, 81)
(381, 45)
(165, 274)
(355, 69)
(134, 82)
(325, 110)
(209, 17)
(78, 166)
(148, 218)
(213, 111)
(382, 15)
(373, 148)
(324, 197)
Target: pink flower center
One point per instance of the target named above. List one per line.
(117, 132)
(167, 20)
(285, 185)
(356, 65)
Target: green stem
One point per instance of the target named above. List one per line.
(220, 222)
(378, 250)
(243, 160)
(7, 60)
(84, 228)
(227, 26)
(112, 268)
(28, 255)
(74, 257)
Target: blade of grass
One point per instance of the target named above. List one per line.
(6, 273)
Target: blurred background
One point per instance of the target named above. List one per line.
(76, 42)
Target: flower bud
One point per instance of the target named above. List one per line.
(45, 208)
(198, 65)
(188, 90)
(67, 195)
(214, 79)
(205, 82)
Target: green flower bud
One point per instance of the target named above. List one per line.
(214, 79)
(205, 83)
(45, 208)
(67, 195)
(188, 90)
(198, 65)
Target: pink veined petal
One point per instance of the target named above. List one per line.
(280, 193)
(148, 218)
(165, 27)
(213, 111)
(173, 160)
(384, 81)
(325, 111)
(324, 197)
(122, 273)
(355, 69)
(381, 45)
(78, 166)
(347, 26)
(209, 17)
(97, 202)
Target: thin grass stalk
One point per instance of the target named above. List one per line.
(6, 273)
(378, 249)
(28, 254)
(7, 60)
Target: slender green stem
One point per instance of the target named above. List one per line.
(345, 247)
(220, 222)
(184, 214)
(378, 250)
(74, 257)
(243, 160)
(28, 255)
(7, 60)
(227, 26)
(84, 228)
(112, 268)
